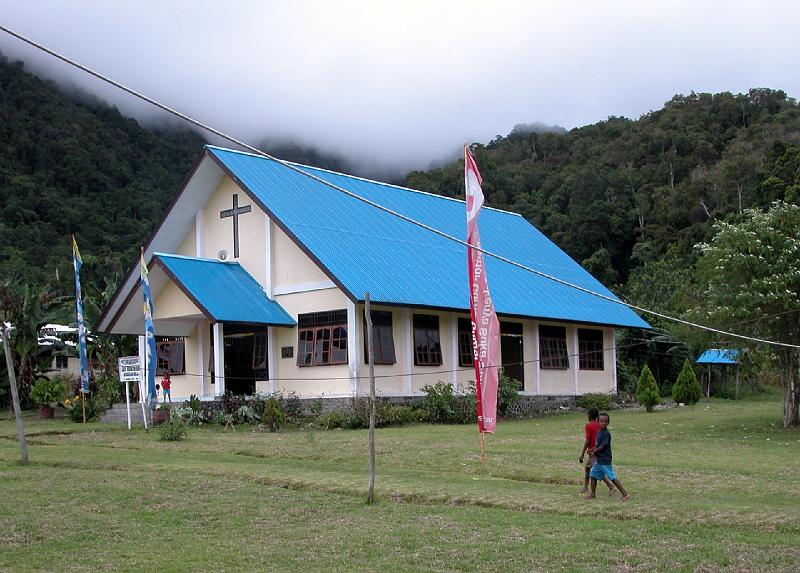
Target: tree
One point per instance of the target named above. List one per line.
(28, 308)
(647, 390)
(750, 272)
(686, 388)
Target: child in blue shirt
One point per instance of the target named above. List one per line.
(602, 468)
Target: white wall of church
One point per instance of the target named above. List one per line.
(600, 380)
(290, 265)
(218, 232)
(171, 302)
(188, 247)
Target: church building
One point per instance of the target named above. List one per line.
(259, 274)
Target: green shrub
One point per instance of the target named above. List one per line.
(443, 405)
(109, 391)
(357, 416)
(507, 394)
(292, 406)
(273, 416)
(48, 392)
(75, 408)
(686, 388)
(332, 420)
(173, 430)
(647, 390)
(595, 400)
(258, 403)
(245, 415)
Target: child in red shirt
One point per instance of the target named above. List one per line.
(165, 387)
(590, 430)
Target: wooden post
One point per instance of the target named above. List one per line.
(12, 381)
(371, 357)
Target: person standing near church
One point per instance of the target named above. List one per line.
(166, 384)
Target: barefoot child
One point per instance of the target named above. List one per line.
(603, 469)
(590, 430)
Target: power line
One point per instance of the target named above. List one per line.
(442, 234)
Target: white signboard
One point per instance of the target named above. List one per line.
(129, 369)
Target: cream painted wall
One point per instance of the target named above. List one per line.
(218, 233)
(189, 246)
(290, 265)
(319, 380)
(171, 302)
(599, 380)
(560, 382)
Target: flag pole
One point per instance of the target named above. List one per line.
(143, 386)
(83, 405)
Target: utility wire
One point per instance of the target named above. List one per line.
(300, 171)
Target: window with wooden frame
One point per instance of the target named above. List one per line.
(465, 353)
(322, 338)
(260, 351)
(590, 349)
(62, 361)
(553, 347)
(169, 355)
(427, 348)
(382, 338)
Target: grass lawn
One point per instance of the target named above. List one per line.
(715, 487)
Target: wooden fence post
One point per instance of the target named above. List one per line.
(371, 357)
(12, 381)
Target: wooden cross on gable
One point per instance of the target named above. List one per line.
(235, 212)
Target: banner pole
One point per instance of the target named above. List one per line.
(83, 405)
(483, 452)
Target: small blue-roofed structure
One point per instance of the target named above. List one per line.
(259, 274)
(719, 356)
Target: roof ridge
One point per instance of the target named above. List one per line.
(365, 179)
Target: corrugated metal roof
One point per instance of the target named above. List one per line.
(719, 356)
(368, 250)
(223, 290)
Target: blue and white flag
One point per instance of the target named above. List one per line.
(149, 332)
(77, 262)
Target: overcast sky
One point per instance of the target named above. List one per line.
(404, 83)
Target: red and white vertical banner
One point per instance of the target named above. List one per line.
(485, 326)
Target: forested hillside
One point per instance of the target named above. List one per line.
(72, 164)
(630, 198)
(627, 198)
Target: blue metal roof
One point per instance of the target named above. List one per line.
(224, 291)
(367, 250)
(719, 356)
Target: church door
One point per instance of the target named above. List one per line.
(245, 358)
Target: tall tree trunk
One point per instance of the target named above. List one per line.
(791, 391)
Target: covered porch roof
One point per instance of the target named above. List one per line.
(187, 290)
